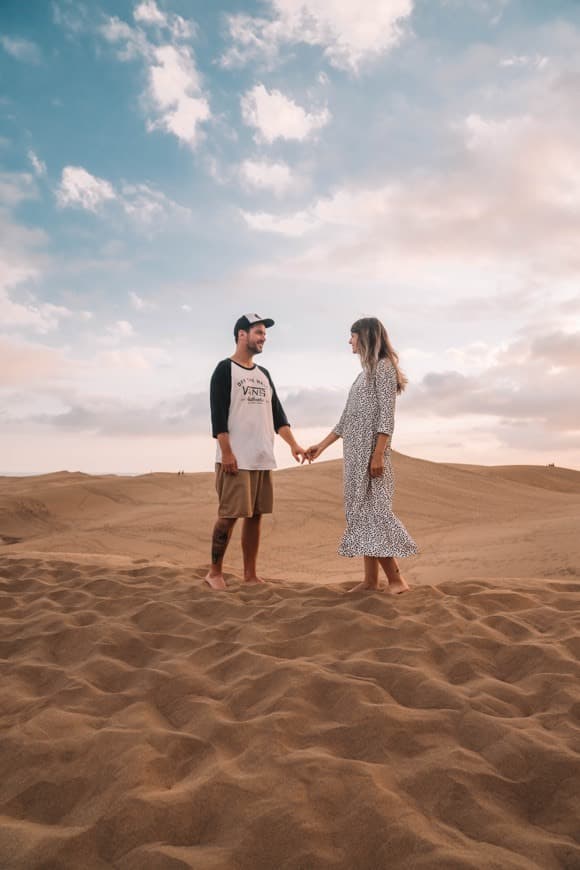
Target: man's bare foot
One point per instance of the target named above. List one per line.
(251, 581)
(398, 587)
(365, 587)
(215, 581)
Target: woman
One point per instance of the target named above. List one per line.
(366, 427)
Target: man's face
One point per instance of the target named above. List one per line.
(256, 338)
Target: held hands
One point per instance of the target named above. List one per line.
(299, 453)
(313, 452)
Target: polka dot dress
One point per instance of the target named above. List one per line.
(372, 529)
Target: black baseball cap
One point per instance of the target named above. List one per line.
(248, 320)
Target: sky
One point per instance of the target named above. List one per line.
(167, 166)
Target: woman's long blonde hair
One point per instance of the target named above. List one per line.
(373, 345)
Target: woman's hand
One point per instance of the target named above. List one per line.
(313, 452)
(377, 465)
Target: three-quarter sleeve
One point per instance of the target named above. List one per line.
(339, 428)
(220, 391)
(386, 386)
(278, 414)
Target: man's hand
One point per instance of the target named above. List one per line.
(299, 453)
(313, 452)
(377, 465)
(229, 462)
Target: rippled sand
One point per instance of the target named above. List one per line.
(148, 722)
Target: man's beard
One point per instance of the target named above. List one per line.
(254, 348)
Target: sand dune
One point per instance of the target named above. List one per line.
(469, 521)
(150, 723)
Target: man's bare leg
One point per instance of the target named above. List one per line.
(222, 533)
(371, 581)
(397, 582)
(250, 545)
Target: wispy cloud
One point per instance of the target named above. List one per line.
(349, 34)
(145, 206)
(22, 258)
(21, 49)
(148, 13)
(78, 188)
(138, 303)
(38, 165)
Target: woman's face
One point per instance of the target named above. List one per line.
(353, 341)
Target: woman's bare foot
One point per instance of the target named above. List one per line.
(398, 586)
(365, 587)
(251, 581)
(215, 581)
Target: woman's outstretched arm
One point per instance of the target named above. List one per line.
(314, 452)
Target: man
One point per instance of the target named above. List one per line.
(245, 415)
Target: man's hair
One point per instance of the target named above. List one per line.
(374, 344)
(248, 328)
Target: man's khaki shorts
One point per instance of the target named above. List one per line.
(244, 494)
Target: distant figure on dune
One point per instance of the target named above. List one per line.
(245, 415)
(366, 427)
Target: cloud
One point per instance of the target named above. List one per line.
(178, 417)
(21, 261)
(174, 96)
(132, 42)
(138, 303)
(275, 116)
(150, 207)
(24, 363)
(40, 317)
(175, 93)
(148, 13)
(532, 383)
(266, 175)
(346, 208)
(132, 358)
(16, 187)
(510, 201)
(72, 16)
(313, 407)
(558, 348)
(118, 331)
(350, 34)
(524, 60)
(295, 225)
(38, 165)
(78, 188)
(144, 205)
(21, 49)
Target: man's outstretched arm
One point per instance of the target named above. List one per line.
(298, 452)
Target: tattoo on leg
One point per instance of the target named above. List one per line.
(219, 543)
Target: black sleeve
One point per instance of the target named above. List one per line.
(220, 393)
(280, 418)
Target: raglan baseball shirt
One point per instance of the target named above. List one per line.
(244, 404)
